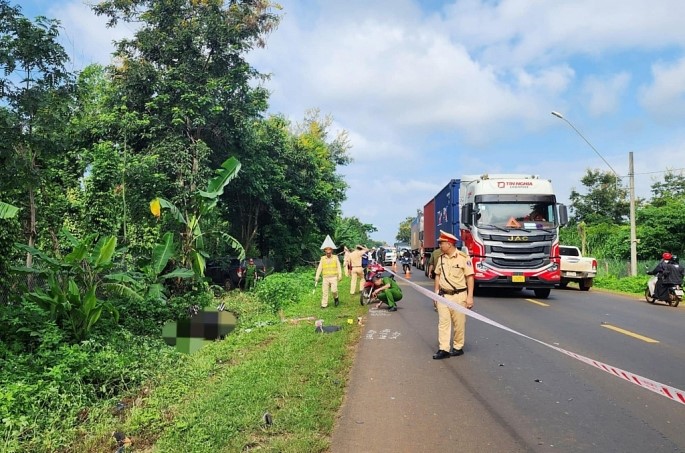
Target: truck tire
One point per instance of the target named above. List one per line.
(542, 293)
(585, 284)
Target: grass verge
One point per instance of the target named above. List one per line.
(216, 398)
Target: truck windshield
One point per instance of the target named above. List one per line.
(516, 215)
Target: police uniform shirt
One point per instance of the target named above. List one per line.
(456, 268)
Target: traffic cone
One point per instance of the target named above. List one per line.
(394, 266)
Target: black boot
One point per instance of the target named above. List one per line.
(336, 302)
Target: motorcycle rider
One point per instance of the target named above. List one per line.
(668, 273)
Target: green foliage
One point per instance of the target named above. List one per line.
(71, 297)
(45, 395)
(350, 231)
(661, 227)
(635, 285)
(7, 211)
(606, 201)
(404, 230)
(193, 253)
(278, 291)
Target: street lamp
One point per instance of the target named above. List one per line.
(633, 236)
(559, 115)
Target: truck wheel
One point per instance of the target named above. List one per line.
(542, 293)
(585, 284)
(649, 298)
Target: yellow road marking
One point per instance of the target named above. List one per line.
(542, 304)
(630, 334)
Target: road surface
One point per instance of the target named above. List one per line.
(508, 393)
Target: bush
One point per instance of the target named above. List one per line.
(635, 285)
(281, 290)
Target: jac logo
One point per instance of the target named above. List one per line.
(500, 185)
(518, 238)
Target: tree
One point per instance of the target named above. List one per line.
(404, 231)
(289, 192)
(661, 228)
(671, 188)
(185, 75)
(606, 201)
(350, 231)
(36, 94)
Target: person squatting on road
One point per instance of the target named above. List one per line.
(386, 289)
(357, 269)
(453, 280)
(330, 269)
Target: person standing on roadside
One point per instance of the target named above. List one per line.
(346, 262)
(329, 268)
(454, 280)
(250, 274)
(357, 268)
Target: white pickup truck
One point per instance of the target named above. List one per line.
(576, 268)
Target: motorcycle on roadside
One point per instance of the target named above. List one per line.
(668, 287)
(371, 271)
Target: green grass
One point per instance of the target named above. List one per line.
(214, 400)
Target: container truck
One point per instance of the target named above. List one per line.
(510, 227)
(429, 238)
(416, 240)
(508, 223)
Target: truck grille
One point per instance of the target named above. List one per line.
(526, 255)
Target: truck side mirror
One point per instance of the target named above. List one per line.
(563, 214)
(467, 214)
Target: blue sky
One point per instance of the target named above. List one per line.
(431, 90)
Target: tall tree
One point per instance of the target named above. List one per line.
(289, 191)
(605, 201)
(404, 230)
(671, 188)
(185, 74)
(35, 94)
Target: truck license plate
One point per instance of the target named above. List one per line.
(570, 274)
(518, 278)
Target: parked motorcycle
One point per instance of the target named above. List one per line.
(672, 295)
(371, 271)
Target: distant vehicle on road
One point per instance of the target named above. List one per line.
(390, 256)
(576, 268)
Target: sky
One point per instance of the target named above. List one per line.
(431, 90)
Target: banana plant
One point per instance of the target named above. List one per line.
(7, 211)
(71, 295)
(148, 283)
(193, 252)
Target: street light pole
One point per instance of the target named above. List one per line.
(559, 115)
(633, 234)
(633, 239)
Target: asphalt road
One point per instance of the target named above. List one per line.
(508, 393)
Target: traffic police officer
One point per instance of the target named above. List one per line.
(454, 280)
(329, 267)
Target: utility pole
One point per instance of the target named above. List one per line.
(633, 236)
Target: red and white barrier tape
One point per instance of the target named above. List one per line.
(667, 391)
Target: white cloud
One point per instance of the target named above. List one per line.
(665, 96)
(604, 94)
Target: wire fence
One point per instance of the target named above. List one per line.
(621, 268)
